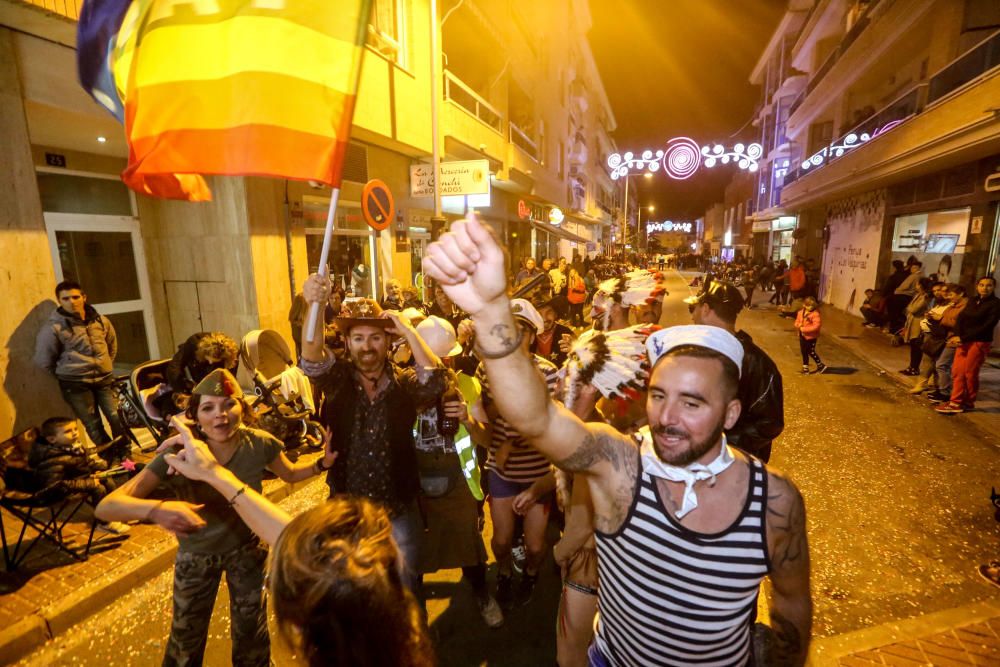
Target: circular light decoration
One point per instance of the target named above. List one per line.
(682, 158)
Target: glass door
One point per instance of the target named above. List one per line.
(104, 254)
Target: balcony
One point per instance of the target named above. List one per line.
(908, 139)
(457, 92)
(519, 138)
(882, 121)
(968, 67)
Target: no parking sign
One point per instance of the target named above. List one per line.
(377, 205)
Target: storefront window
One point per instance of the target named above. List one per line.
(937, 239)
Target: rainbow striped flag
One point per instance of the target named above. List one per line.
(237, 87)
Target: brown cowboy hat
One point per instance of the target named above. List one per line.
(360, 312)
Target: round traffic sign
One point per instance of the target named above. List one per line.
(377, 205)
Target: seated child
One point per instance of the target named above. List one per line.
(58, 456)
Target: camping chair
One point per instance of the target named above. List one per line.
(46, 510)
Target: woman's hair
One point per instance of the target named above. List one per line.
(955, 288)
(218, 347)
(810, 301)
(337, 592)
(925, 284)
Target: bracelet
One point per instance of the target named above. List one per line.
(500, 355)
(318, 465)
(152, 509)
(232, 501)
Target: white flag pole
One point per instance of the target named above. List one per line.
(324, 256)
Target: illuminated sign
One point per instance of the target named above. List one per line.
(668, 226)
(523, 210)
(682, 158)
(727, 238)
(556, 216)
(852, 140)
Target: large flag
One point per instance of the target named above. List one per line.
(239, 87)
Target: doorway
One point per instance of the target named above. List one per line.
(104, 254)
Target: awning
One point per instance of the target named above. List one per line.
(558, 231)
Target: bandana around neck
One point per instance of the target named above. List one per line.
(689, 474)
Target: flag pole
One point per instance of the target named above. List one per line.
(343, 133)
(324, 255)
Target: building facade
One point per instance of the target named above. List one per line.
(162, 270)
(882, 130)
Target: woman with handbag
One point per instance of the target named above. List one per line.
(912, 333)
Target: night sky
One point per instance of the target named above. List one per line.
(680, 68)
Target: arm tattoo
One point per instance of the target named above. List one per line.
(611, 505)
(501, 331)
(789, 526)
(787, 648)
(593, 449)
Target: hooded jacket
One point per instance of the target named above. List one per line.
(74, 349)
(761, 395)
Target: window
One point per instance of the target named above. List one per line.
(387, 30)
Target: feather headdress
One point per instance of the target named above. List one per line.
(614, 362)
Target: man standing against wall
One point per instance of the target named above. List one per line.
(78, 345)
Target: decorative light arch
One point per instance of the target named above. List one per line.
(683, 157)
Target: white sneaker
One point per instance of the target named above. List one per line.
(113, 527)
(491, 612)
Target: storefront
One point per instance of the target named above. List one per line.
(782, 230)
(936, 238)
(760, 245)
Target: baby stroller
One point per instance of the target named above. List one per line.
(283, 403)
(134, 392)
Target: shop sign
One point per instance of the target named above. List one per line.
(538, 212)
(466, 177)
(761, 226)
(784, 222)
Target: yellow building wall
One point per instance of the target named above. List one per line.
(28, 394)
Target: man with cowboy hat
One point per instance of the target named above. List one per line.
(370, 406)
(687, 527)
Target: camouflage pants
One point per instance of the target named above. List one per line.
(196, 583)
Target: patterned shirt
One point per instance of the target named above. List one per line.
(525, 463)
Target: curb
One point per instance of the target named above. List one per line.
(32, 631)
(828, 651)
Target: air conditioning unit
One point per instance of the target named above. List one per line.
(993, 182)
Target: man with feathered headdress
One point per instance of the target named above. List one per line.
(614, 298)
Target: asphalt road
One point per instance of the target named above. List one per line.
(898, 515)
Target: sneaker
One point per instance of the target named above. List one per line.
(937, 397)
(991, 572)
(821, 368)
(949, 408)
(505, 590)
(518, 555)
(491, 612)
(525, 588)
(805, 370)
(909, 371)
(113, 527)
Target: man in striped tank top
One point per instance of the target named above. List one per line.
(687, 527)
(516, 473)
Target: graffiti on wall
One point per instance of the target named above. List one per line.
(850, 262)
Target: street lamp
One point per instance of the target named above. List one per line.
(647, 175)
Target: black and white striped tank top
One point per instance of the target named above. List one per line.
(671, 596)
(525, 463)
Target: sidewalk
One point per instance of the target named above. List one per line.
(968, 635)
(876, 348)
(51, 592)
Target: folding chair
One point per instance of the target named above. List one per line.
(46, 511)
